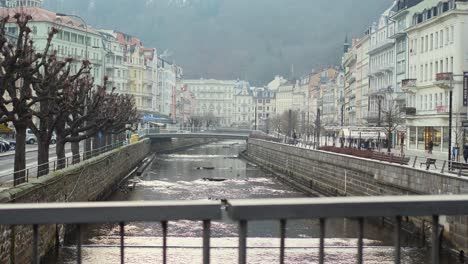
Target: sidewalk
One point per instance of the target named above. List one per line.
(419, 153)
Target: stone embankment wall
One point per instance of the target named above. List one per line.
(91, 180)
(334, 174)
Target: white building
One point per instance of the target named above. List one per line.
(74, 40)
(214, 97)
(284, 98)
(266, 107)
(381, 66)
(438, 43)
(19, 3)
(244, 106)
(166, 89)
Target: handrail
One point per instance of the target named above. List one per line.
(240, 211)
(54, 165)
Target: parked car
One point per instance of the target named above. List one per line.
(11, 143)
(30, 137)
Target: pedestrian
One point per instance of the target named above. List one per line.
(294, 138)
(430, 147)
(465, 153)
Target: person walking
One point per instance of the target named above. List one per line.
(465, 153)
(430, 147)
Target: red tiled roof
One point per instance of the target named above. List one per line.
(43, 15)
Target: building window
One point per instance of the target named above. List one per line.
(441, 38)
(452, 37)
(436, 40)
(432, 41)
(451, 64)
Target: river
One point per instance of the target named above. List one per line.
(177, 177)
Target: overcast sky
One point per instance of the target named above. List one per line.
(230, 39)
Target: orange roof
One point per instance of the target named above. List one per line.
(43, 15)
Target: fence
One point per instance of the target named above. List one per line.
(242, 212)
(427, 163)
(34, 172)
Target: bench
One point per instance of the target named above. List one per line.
(459, 168)
(428, 163)
(391, 158)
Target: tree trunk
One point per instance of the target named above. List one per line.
(43, 141)
(389, 139)
(87, 153)
(96, 146)
(60, 150)
(75, 148)
(42, 157)
(20, 155)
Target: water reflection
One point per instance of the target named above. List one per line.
(179, 177)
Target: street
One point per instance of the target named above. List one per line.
(7, 160)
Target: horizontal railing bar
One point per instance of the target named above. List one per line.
(108, 212)
(237, 210)
(307, 208)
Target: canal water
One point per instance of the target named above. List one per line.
(178, 177)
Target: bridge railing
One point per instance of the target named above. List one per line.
(243, 212)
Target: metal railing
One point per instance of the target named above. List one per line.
(242, 212)
(36, 171)
(427, 162)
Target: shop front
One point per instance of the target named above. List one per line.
(421, 136)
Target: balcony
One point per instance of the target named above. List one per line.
(349, 58)
(380, 69)
(408, 86)
(382, 45)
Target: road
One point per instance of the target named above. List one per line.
(7, 160)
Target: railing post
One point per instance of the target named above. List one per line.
(360, 240)
(443, 166)
(397, 240)
(282, 239)
(414, 163)
(36, 256)
(435, 239)
(122, 242)
(206, 241)
(243, 242)
(322, 242)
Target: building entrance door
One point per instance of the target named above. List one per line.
(428, 136)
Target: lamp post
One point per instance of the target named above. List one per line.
(441, 79)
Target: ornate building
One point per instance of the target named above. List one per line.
(17, 3)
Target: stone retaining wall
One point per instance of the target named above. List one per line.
(339, 175)
(91, 180)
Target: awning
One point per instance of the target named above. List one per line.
(5, 129)
(158, 119)
(356, 134)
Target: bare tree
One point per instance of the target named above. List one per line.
(19, 63)
(392, 118)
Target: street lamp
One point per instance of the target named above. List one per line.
(441, 79)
